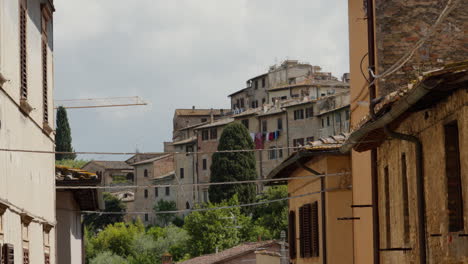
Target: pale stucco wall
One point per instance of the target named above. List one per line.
(69, 229)
(26, 179)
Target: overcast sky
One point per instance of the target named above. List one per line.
(179, 53)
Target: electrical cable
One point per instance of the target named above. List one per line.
(216, 208)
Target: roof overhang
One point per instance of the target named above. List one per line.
(433, 87)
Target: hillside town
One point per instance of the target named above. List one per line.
(300, 167)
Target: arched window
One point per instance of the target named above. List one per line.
(145, 173)
(130, 176)
(187, 205)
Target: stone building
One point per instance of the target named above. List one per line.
(155, 171)
(186, 171)
(111, 172)
(188, 117)
(253, 96)
(319, 231)
(407, 40)
(27, 183)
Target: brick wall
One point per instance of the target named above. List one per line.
(401, 23)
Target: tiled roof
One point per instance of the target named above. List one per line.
(250, 111)
(112, 165)
(272, 111)
(429, 88)
(220, 122)
(309, 82)
(185, 141)
(199, 112)
(230, 253)
(151, 160)
(63, 174)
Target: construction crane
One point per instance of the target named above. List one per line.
(100, 102)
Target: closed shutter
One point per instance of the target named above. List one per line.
(301, 231)
(47, 259)
(315, 229)
(25, 256)
(292, 234)
(8, 254)
(23, 50)
(307, 231)
(44, 81)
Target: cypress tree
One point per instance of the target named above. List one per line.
(63, 138)
(235, 166)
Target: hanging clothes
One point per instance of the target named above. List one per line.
(252, 135)
(271, 136)
(259, 141)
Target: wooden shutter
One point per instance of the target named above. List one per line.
(315, 229)
(47, 259)
(25, 256)
(292, 234)
(8, 254)
(453, 176)
(301, 231)
(306, 231)
(44, 81)
(23, 50)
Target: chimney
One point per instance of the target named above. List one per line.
(193, 108)
(211, 116)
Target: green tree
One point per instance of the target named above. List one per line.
(100, 221)
(213, 229)
(108, 257)
(63, 139)
(234, 166)
(272, 216)
(164, 206)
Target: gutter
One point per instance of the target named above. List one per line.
(421, 202)
(397, 110)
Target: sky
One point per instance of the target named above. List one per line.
(179, 54)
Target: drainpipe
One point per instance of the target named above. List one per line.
(372, 96)
(324, 212)
(419, 189)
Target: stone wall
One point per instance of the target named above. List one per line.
(401, 23)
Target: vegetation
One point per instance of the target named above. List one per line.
(63, 139)
(100, 221)
(164, 206)
(234, 166)
(272, 217)
(77, 163)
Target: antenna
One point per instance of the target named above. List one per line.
(100, 102)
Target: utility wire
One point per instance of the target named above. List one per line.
(202, 184)
(216, 208)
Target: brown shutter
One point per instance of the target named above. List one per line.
(307, 231)
(47, 259)
(292, 234)
(8, 254)
(25, 256)
(315, 230)
(301, 231)
(23, 50)
(44, 80)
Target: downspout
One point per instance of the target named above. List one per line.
(287, 131)
(372, 95)
(323, 205)
(419, 189)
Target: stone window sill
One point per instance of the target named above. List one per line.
(25, 107)
(46, 128)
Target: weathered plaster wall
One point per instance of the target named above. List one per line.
(69, 231)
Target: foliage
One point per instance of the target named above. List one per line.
(108, 257)
(112, 204)
(133, 245)
(63, 139)
(236, 166)
(213, 229)
(164, 206)
(272, 216)
(76, 164)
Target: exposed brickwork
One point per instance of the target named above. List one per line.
(401, 23)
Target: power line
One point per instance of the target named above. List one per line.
(216, 208)
(201, 184)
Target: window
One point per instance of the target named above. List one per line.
(292, 80)
(23, 49)
(328, 121)
(245, 122)
(280, 123)
(453, 175)
(204, 166)
(146, 217)
(323, 122)
(187, 205)
(45, 100)
(263, 101)
(168, 191)
(182, 173)
(264, 126)
(214, 133)
(205, 196)
(25, 256)
(347, 114)
(338, 117)
(263, 82)
(8, 251)
(309, 112)
(146, 193)
(299, 114)
(189, 148)
(256, 84)
(156, 193)
(203, 120)
(387, 207)
(205, 134)
(404, 193)
(292, 234)
(47, 258)
(298, 142)
(242, 103)
(145, 173)
(308, 230)
(272, 153)
(280, 153)
(310, 139)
